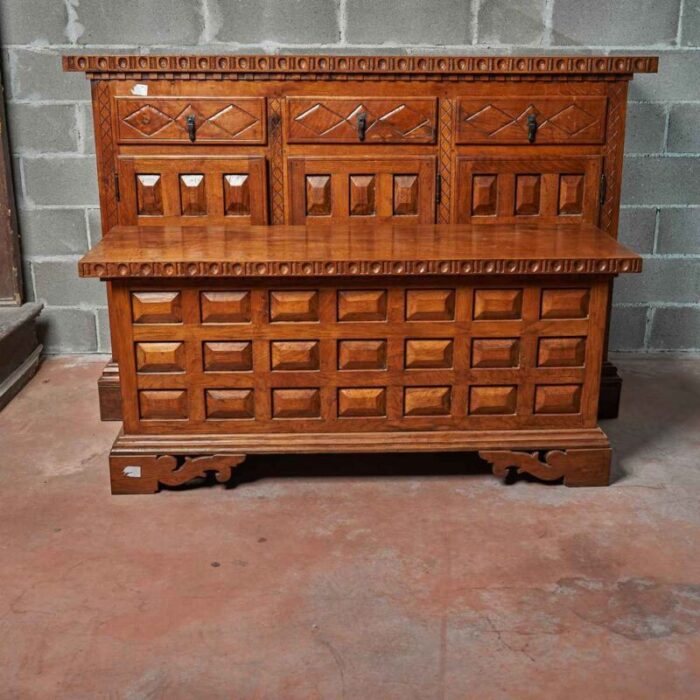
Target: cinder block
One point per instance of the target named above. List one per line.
(615, 22)
(292, 21)
(104, 344)
(36, 74)
(679, 231)
(678, 79)
(676, 328)
(67, 330)
(670, 280)
(61, 180)
(636, 229)
(690, 35)
(32, 22)
(659, 180)
(94, 226)
(53, 231)
(627, 327)
(134, 22)
(42, 128)
(28, 281)
(86, 129)
(684, 129)
(646, 127)
(58, 284)
(507, 22)
(410, 22)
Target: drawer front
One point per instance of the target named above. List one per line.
(324, 189)
(556, 120)
(338, 120)
(184, 190)
(508, 190)
(164, 119)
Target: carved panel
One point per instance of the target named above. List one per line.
(362, 195)
(565, 303)
(497, 304)
(427, 400)
(294, 305)
(149, 194)
(361, 354)
(170, 404)
(276, 161)
(557, 398)
(445, 155)
(527, 195)
(296, 403)
(229, 403)
(561, 352)
(364, 402)
(294, 355)
(193, 196)
(362, 304)
(428, 354)
(156, 307)
(430, 304)
(160, 357)
(405, 195)
(492, 400)
(571, 194)
(237, 195)
(225, 307)
(495, 352)
(318, 195)
(227, 356)
(484, 195)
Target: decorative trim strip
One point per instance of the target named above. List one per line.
(118, 66)
(359, 268)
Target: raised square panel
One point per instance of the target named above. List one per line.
(193, 196)
(318, 195)
(527, 195)
(561, 352)
(296, 403)
(160, 357)
(427, 354)
(237, 195)
(484, 195)
(427, 400)
(165, 404)
(362, 195)
(229, 403)
(149, 195)
(497, 304)
(366, 402)
(362, 305)
(558, 398)
(495, 352)
(294, 354)
(225, 307)
(564, 303)
(156, 307)
(571, 194)
(228, 356)
(430, 305)
(294, 305)
(361, 354)
(492, 400)
(405, 195)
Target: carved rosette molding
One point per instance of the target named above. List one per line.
(359, 268)
(127, 67)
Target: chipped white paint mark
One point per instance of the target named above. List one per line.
(132, 472)
(140, 89)
(74, 30)
(211, 20)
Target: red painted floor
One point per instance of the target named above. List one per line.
(395, 584)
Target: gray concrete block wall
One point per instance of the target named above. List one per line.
(50, 122)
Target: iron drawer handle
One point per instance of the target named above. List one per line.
(531, 127)
(191, 127)
(361, 125)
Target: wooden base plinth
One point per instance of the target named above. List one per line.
(142, 463)
(109, 392)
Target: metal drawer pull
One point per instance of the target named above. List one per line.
(361, 125)
(531, 127)
(191, 127)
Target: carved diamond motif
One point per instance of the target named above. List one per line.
(148, 120)
(490, 119)
(572, 120)
(233, 120)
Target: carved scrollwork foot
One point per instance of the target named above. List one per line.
(145, 473)
(578, 467)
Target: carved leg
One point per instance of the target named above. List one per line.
(584, 467)
(144, 473)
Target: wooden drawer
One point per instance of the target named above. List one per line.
(559, 120)
(336, 119)
(164, 119)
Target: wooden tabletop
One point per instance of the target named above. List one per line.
(356, 249)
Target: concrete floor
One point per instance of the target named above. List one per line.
(298, 584)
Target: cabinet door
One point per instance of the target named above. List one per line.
(185, 191)
(328, 189)
(537, 189)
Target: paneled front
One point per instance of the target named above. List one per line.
(324, 355)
